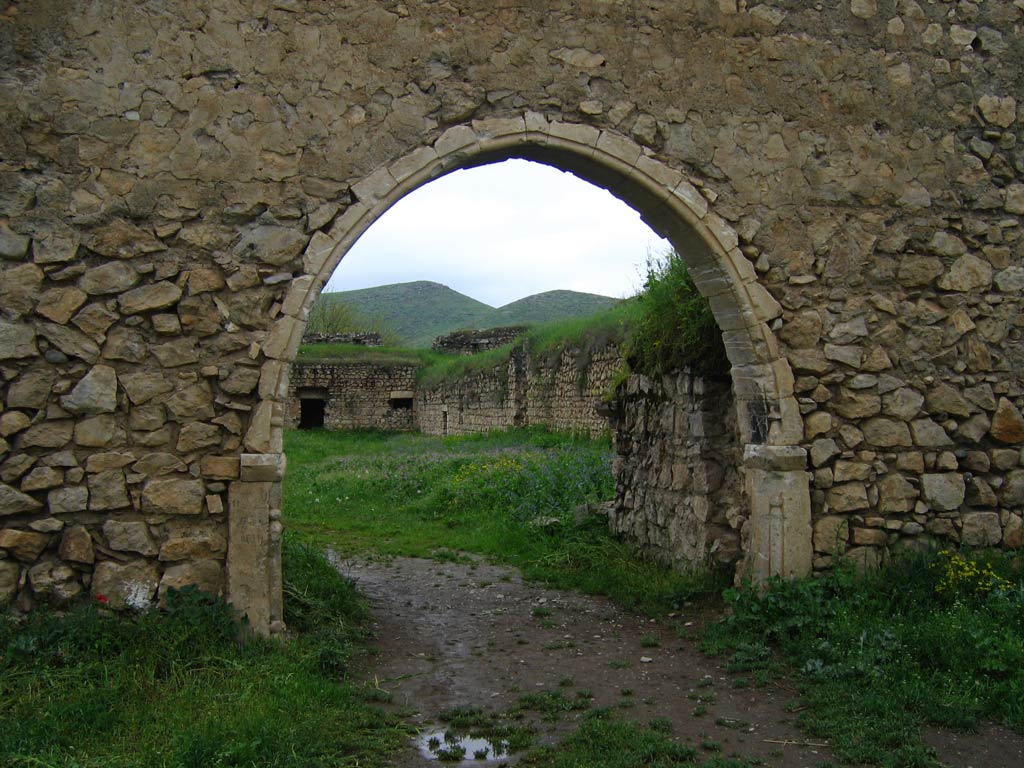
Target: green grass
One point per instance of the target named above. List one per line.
(509, 497)
(179, 689)
(930, 639)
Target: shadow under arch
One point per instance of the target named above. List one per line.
(770, 425)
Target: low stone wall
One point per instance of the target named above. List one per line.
(360, 338)
(354, 395)
(679, 494)
(564, 392)
(471, 342)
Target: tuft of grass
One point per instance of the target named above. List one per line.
(179, 688)
(932, 638)
(603, 741)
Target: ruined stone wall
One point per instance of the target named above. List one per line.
(179, 179)
(562, 392)
(471, 342)
(356, 395)
(679, 485)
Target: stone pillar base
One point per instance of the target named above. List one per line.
(778, 490)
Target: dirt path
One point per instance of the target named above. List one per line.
(451, 634)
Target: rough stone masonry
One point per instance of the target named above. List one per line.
(178, 180)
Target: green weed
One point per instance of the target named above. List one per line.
(931, 638)
(178, 688)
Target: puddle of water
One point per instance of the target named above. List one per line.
(452, 748)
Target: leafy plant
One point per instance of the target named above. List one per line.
(674, 327)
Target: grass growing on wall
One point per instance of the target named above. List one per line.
(508, 496)
(92, 689)
(358, 353)
(929, 639)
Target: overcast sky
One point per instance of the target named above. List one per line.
(502, 232)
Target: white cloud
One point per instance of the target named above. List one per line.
(502, 232)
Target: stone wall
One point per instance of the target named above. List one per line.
(471, 342)
(679, 490)
(355, 395)
(567, 391)
(359, 338)
(180, 179)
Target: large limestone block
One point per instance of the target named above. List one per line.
(272, 245)
(173, 496)
(148, 298)
(14, 502)
(129, 536)
(896, 494)
(69, 341)
(31, 389)
(122, 240)
(968, 273)
(25, 546)
(192, 403)
(13, 245)
(76, 545)
(886, 433)
(96, 392)
(10, 573)
(1007, 424)
(831, 534)
(981, 529)
(143, 387)
(100, 431)
(19, 289)
(17, 340)
(848, 497)
(126, 585)
(68, 500)
(107, 490)
(60, 304)
(48, 434)
(196, 546)
(108, 278)
(206, 575)
(944, 491)
(198, 435)
(1012, 492)
(55, 582)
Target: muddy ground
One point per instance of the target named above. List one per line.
(470, 633)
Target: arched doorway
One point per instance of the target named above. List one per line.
(768, 419)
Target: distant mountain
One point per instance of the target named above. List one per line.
(421, 311)
(417, 312)
(548, 306)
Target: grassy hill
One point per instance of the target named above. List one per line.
(419, 312)
(547, 307)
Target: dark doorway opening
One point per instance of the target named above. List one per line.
(311, 413)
